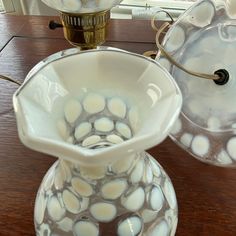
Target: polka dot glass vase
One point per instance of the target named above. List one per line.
(97, 111)
(203, 40)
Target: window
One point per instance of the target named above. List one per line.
(2, 9)
(11, 6)
(177, 4)
(27, 7)
(146, 8)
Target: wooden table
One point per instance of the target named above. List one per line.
(206, 194)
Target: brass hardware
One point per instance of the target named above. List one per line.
(85, 30)
(53, 25)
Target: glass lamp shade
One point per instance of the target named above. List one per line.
(203, 39)
(81, 6)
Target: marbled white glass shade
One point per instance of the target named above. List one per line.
(81, 6)
(203, 39)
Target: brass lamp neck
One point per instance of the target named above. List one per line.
(85, 30)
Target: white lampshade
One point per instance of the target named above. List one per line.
(203, 40)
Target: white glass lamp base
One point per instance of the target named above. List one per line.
(93, 110)
(133, 196)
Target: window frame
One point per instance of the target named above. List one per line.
(12, 6)
(167, 4)
(140, 9)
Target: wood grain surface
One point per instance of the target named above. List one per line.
(206, 194)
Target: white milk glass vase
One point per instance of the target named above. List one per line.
(97, 111)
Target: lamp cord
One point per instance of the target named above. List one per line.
(3, 77)
(161, 30)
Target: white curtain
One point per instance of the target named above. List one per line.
(36, 7)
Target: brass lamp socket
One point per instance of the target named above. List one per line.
(85, 30)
